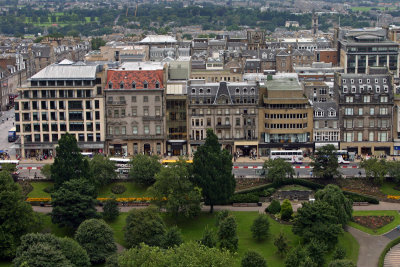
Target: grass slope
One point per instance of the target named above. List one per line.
(388, 189)
(38, 189)
(381, 230)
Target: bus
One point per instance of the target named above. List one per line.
(294, 156)
(87, 154)
(12, 135)
(122, 166)
(343, 156)
(13, 163)
(166, 162)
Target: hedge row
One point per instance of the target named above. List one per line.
(386, 250)
(245, 198)
(360, 198)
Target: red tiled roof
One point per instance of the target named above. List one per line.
(137, 76)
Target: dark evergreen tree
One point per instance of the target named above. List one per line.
(325, 163)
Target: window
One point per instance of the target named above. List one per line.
(316, 124)
(352, 81)
(157, 85)
(348, 111)
(193, 91)
(367, 99)
(348, 137)
(371, 123)
(359, 80)
(371, 136)
(383, 111)
(158, 109)
(145, 111)
(360, 123)
(368, 81)
(345, 89)
(146, 129)
(349, 99)
(372, 111)
(382, 137)
(322, 91)
(348, 124)
(384, 80)
(116, 113)
(359, 137)
(344, 80)
(376, 80)
(145, 99)
(110, 85)
(123, 130)
(158, 129)
(237, 121)
(157, 98)
(319, 113)
(145, 85)
(134, 99)
(378, 89)
(360, 111)
(122, 113)
(353, 89)
(133, 85)
(134, 130)
(121, 85)
(386, 88)
(384, 99)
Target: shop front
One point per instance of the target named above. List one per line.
(246, 148)
(176, 147)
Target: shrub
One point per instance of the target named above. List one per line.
(110, 210)
(227, 235)
(112, 261)
(118, 189)
(26, 187)
(260, 227)
(360, 198)
(209, 238)
(172, 238)
(49, 189)
(339, 253)
(274, 207)
(245, 198)
(253, 259)
(221, 216)
(286, 210)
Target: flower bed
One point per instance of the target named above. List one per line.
(373, 222)
(393, 197)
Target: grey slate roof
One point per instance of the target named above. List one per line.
(64, 71)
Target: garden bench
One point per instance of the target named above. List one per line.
(360, 203)
(244, 204)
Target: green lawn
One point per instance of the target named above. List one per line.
(388, 189)
(293, 187)
(132, 190)
(38, 189)
(49, 227)
(381, 230)
(367, 8)
(193, 230)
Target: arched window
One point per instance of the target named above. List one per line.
(245, 91)
(133, 85)
(252, 91)
(110, 85)
(201, 91)
(193, 91)
(237, 91)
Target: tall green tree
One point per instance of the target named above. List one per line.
(174, 191)
(317, 221)
(394, 170)
(74, 202)
(335, 197)
(227, 234)
(102, 170)
(325, 163)
(144, 226)
(144, 169)
(375, 169)
(97, 238)
(278, 169)
(69, 163)
(110, 210)
(286, 210)
(260, 227)
(212, 168)
(16, 217)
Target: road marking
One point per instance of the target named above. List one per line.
(29, 168)
(294, 167)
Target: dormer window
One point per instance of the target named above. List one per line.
(245, 91)
(133, 85)
(386, 88)
(110, 85)
(353, 89)
(145, 85)
(344, 80)
(352, 81)
(384, 80)
(237, 91)
(252, 91)
(201, 91)
(359, 80)
(208, 91)
(376, 80)
(121, 85)
(345, 89)
(157, 84)
(193, 91)
(378, 89)
(368, 81)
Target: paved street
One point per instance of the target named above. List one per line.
(5, 126)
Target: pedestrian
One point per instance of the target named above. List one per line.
(311, 174)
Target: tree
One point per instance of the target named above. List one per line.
(341, 263)
(40, 250)
(46, 171)
(74, 252)
(343, 206)
(97, 238)
(375, 169)
(317, 221)
(174, 191)
(102, 170)
(74, 202)
(274, 207)
(172, 238)
(188, 254)
(110, 210)
(260, 227)
(325, 163)
(209, 238)
(144, 226)
(69, 163)
(16, 217)
(221, 215)
(253, 259)
(282, 244)
(339, 253)
(286, 210)
(212, 168)
(278, 169)
(144, 169)
(317, 250)
(298, 257)
(394, 170)
(97, 42)
(227, 235)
